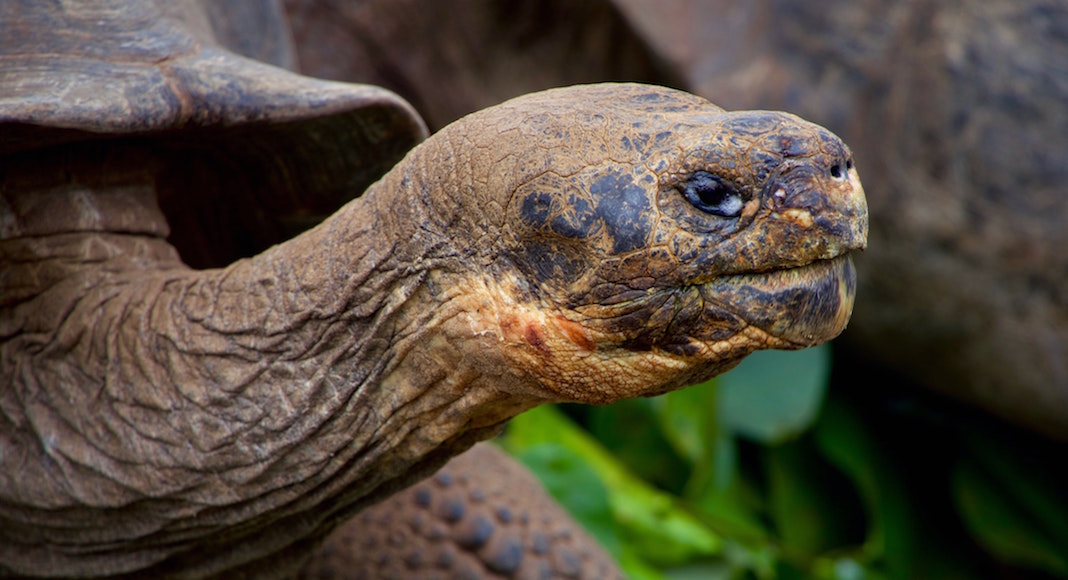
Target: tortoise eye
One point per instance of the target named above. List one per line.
(711, 194)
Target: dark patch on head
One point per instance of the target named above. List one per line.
(649, 98)
(607, 293)
(835, 228)
(535, 208)
(640, 343)
(577, 221)
(832, 144)
(551, 262)
(762, 163)
(624, 208)
(682, 348)
(689, 251)
(672, 321)
(640, 141)
(801, 187)
(715, 322)
(573, 218)
(754, 124)
(635, 324)
(793, 146)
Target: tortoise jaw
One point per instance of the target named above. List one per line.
(800, 306)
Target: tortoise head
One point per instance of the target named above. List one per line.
(660, 239)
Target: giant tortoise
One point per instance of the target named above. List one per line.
(956, 110)
(581, 244)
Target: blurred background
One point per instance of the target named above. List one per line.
(929, 440)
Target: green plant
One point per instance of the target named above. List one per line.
(765, 473)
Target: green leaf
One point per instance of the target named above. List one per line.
(576, 485)
(687, 417)
(845, 441)
(724, 499)
(641, 444)
(1023, 470)
(638, 569)
(813, 506)
(701, 571)
(650, 521)
(913, 530)
(756, 562)
(1003, 524)
(844, 568)
(774, 395)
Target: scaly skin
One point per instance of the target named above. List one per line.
(164, 419)
(483, 515)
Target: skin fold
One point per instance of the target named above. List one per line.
(194, 422)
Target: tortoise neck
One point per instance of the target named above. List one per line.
(378, 295)
(284, 390)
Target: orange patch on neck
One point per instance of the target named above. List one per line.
(532, 335)
(576, 334)
(540, 333)
(524, 329)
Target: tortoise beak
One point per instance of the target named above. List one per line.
(803, 306)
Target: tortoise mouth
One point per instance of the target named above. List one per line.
(803, 305)
(788, 308)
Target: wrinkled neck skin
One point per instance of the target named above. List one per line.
(209, 418)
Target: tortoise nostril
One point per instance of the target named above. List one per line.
(849, 164)
(836, 171)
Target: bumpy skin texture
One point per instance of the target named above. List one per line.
(168, 420)
(955, 110)
(481, 516)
